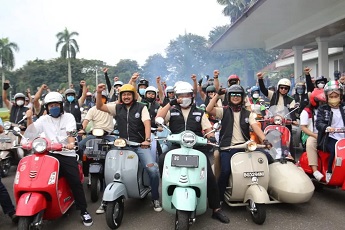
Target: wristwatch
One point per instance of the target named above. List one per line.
(148, 139)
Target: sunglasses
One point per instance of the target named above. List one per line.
(170, 92)
(284, 88)
(235, 95)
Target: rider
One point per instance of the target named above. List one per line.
(236, 123)
(329, 117)
(89, 102)
(59, 126)
(72, 104)
(301, 97)
(17, 110)
(182, 114)
(309, 131)
(133, 123)
(117, 86)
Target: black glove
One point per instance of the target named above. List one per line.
(173, 102)
(200, 82)
(267, 143)
(6, 86)
(212, 140)
(221, 91)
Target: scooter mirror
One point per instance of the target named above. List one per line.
(159, 120)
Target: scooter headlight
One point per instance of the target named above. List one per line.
(98, 132)
(120, 142)
(277, 120)
(188, 139)
(39, 145)
(7, 125)
(252, 146)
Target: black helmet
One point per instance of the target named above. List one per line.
(321, 79)
(210, 88)
(143, 81)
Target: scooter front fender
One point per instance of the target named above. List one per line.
(184, 199)
(95, 168)
(257, 193)
(30, 203)
(113, 191)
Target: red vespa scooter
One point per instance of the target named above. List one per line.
(39, 192)
(338, 175)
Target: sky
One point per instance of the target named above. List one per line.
(109, 30)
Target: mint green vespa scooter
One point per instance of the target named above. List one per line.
(184, 178)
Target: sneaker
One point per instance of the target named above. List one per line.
(328, 177)
(318, 176)
(157, 206)
(219, 215)
(100, 210)
(87, 220)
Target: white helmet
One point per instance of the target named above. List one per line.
(284, 81)
(120, 83)
(183, 87)
(19, 95)
(151, 89)
(53, 97)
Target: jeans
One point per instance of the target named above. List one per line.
(331, 149)
(5, 200)
(151, 166)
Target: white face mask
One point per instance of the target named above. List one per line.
(320, 85)
(256, 95)
(186, 102)
(20, 102)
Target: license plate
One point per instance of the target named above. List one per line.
(189, 161)
(252, 174)
(5, 140)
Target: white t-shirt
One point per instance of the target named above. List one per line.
(100, 119)
(305, 120)
(56, 129)
(337, 122)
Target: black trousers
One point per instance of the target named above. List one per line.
(212, 187)
(5, 200)
(69, 169)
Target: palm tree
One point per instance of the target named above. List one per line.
(235, 8)
(6, 55)
(69, 49)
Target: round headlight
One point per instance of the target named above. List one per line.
(188, 139)
(278, 120)
(252, 146)
(39, 145)
(7, 125)
(98, 132)
(120, 142)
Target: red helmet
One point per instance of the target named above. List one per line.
(233, 77)
(316, 96)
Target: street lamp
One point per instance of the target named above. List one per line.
(92, 69)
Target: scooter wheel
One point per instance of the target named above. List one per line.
(95, 187)
(24, 222)
(5, 166)
(182, 220)
(258, 212)
(114, 213)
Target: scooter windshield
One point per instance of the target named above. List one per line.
(30, 134)
(279, 110)
(278, 150)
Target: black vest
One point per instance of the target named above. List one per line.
(228, 125)
(165, 101)
(153, 109)
(304, 101)
(17, 113)
(115, 97)
(129, 122)
(177, 123)
(74, 109)
(275, 97)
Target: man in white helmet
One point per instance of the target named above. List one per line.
(182, 114)
(60, 127)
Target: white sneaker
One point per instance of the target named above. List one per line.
(157, 206)
(318, 176)
(328, 177)
(100, 210)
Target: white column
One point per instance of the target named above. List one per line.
(298, 65)
(323, 61)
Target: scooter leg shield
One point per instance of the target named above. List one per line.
(30, 204)
(184, 199)
(114, 191)
(257, 193)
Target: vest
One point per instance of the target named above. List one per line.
(228, 125)
(153, 109)
(165, 101)
(74, 109)
(177, 123)
(115, 97)
(304, 101)
(17, 113)
(275, 97)
(129, 122)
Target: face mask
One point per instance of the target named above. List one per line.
(334, 102)
(256, 95)
(54, 111)
(300, 91)
(150, 99)
(142, 91)
(20, 102)
(70, 98)
(186, 102)
(320, 85)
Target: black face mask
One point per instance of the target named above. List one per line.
(149, 99)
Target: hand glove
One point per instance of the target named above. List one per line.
(173, 102)
(200, 82)
(212, 140)
(267, 143)
(221, 91)
(6, 86)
